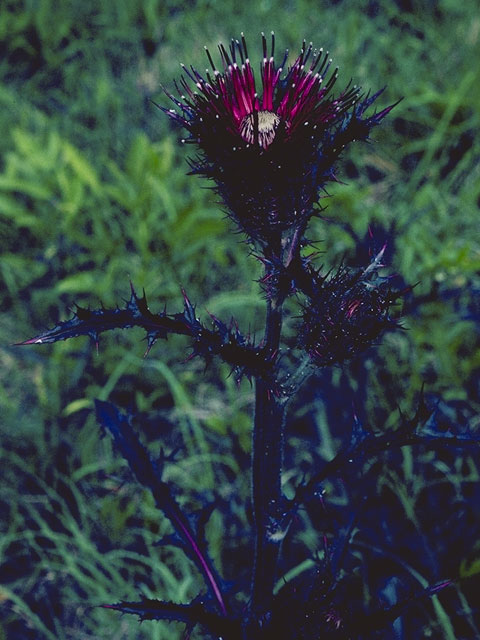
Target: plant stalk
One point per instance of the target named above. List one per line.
(266, 486)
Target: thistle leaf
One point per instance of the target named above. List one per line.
(191, 614)
(225, 341)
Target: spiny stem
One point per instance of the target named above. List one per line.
(266, 488)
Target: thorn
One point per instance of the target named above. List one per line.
(147, 350)
(190, 357)
(325, 546)
(29, 341)
(438, 587)
(95, 338)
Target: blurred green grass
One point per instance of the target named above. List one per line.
(94, 192)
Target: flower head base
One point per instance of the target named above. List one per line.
(270, 154)
(346, 315)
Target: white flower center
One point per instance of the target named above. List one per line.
(259, 127)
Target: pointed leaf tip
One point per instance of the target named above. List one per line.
(36, 340)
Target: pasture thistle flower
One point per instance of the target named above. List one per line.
(270, 154)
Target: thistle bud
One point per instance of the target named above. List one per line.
(347, 313)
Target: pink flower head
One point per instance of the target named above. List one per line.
(270, 147)
(231, 97)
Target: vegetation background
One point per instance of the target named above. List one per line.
(94, 192)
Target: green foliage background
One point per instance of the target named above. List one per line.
(94, 191)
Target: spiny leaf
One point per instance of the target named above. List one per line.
(380, 618)
(93, 322)
(149, 475)
(411, 432)
(191, 614)
(225, 341)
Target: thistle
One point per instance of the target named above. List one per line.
(270, 147)
(271, 153)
